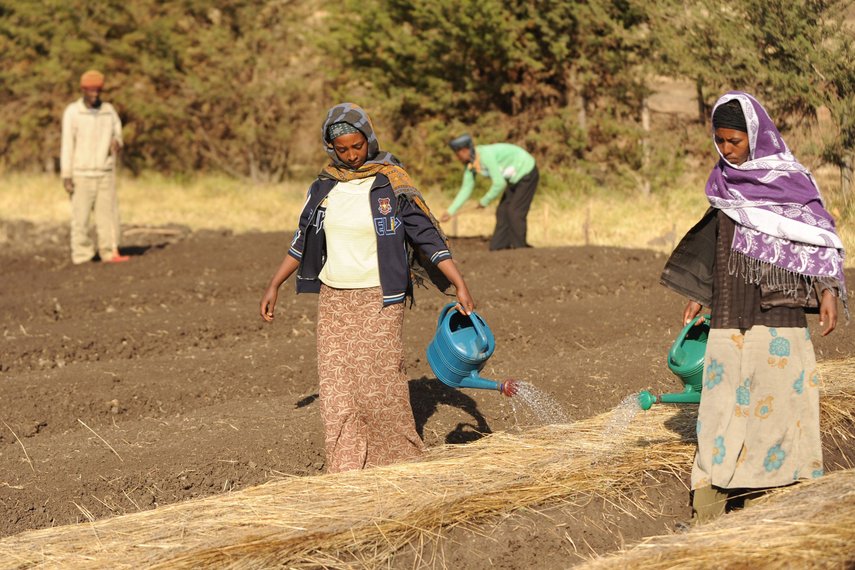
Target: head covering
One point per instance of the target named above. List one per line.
(460, 142)
(784, 235)
(730, 116)
(335, 130)
(92, 79)
(358, 119)
(385, 163)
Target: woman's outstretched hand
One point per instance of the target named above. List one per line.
(465, 303)
(268, 302)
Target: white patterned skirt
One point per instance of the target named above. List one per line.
(758, 420)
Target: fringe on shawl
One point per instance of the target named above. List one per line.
(795, 285)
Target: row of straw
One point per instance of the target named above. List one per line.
(811, 525)
(363, 518)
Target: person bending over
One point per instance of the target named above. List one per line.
(514, 176)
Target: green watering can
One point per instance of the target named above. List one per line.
(686, 360)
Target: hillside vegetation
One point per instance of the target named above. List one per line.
(239, 87)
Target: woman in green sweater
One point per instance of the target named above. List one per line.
(514, 177)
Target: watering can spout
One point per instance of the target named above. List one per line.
(475, 381)
(686, 360)
(507, 388)
(646, 400)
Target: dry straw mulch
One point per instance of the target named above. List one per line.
(811, 525)
(364, 517)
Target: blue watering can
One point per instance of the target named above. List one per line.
(460, 349)
(686, 360)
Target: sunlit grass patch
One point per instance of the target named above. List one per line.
(200, 202)
(596, 217)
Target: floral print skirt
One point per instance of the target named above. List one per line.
(758, 420)
(364, 394)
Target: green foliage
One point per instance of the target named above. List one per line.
(794, 55)
(519, 71)
(774, 49)
(199, 85)
(837, 92)
(241, 86)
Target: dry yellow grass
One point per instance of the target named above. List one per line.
(808, 526)
(656, 222)
(362, 518)
(207, 202)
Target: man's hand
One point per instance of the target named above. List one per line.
(68, 184)
(115, 147)
(480, 206)
(445, 217)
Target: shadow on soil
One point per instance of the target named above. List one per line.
(426, 394)
(686, 416)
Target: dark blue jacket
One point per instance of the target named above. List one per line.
(395, 220)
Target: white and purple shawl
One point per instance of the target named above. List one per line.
(783, 231)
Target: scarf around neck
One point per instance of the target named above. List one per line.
(784, 234)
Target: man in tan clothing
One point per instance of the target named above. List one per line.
(91, 139)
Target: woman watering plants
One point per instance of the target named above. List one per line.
(361, 216)
(763, 255)
(513, 175)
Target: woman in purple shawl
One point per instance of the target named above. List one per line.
(763, 255)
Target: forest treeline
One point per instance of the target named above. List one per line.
(241, 86)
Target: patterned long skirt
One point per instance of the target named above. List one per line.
(364, 394)
(758, 421)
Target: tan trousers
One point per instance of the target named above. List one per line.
(98, 194)
(709, 503)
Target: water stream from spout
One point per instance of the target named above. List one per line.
(545, 409)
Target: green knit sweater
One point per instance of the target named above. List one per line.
(503, 163)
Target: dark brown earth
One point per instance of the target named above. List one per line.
(131, 386)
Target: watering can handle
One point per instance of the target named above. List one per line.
(689, 326)
(476, 322)
(444, 312)
(692, 323)
(479, 329)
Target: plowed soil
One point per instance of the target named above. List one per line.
(129, 386)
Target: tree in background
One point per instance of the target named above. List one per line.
(557, 77)
(837, 74)
(239, 86)
(199, 87)
(795, 55)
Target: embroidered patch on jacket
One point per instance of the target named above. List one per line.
(320, 216)
(386, 226)
(384, 205)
